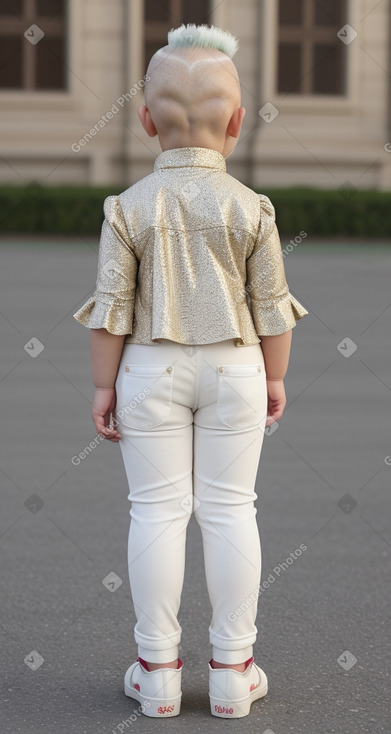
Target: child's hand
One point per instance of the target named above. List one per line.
(276, 400)
(105, 400)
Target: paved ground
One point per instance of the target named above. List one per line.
(323, 482)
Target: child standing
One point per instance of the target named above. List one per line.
(191, 325)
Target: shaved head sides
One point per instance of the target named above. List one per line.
(193, 87)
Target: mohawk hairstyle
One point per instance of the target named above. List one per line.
(201, 36)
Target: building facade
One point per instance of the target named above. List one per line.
(315, 78)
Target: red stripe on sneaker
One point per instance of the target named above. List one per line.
(143, 663)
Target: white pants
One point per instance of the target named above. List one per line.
(192, 421)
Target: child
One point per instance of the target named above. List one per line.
(190, 279)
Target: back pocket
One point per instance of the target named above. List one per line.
(144, 395)
(241, 395)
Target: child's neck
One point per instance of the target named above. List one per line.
(182, 141)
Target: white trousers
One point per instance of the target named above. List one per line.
(192, 421)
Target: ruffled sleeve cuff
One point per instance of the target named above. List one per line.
(278, 316)
(105, 313)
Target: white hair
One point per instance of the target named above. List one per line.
(201, 36)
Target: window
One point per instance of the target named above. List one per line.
(35, 61)
(162, 15)
(311, 58)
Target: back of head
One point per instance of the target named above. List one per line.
(193, 85)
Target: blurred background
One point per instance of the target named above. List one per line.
(315, 81)
(315, 78)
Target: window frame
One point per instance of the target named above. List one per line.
(54, 28)
(158, 30)
(54, 99)
(289, 101)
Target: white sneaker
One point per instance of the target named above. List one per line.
(158, 691)
(231, 693)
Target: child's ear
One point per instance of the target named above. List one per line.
(235, 123)
(146, 121)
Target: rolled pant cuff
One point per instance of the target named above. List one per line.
(158, 656)
(232, 657)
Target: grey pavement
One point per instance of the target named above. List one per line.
(323, 485)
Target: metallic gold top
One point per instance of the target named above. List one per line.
(190, 254)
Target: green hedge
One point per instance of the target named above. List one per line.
(347, 212)
(72, 210)
(68, 210)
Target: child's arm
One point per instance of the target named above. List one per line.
(106, 351)
(111, 306)
(275, 310)
(276, 352)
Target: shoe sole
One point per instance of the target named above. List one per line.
(156, 707)
(236, 709)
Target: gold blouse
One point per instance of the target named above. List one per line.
(191, 254)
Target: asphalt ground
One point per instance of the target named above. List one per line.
(323, 482)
